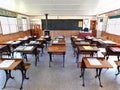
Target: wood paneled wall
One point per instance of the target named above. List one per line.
(66, 33)
(115, 38)
(15, 36)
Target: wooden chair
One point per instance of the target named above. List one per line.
(6, 51)
(38, 53)
(26, 67)
(104, 53)
(74, 47)
(118, 65)
(81, 66)
(23, 67)
(111, 53)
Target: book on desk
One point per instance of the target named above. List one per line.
(94, 61)
(6, 63)
(87, 47)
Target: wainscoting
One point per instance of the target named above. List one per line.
(14, 36)
(66, 33)
(108, 36)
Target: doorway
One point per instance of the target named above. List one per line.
(93, 27)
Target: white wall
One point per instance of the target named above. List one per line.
(107, 5)
(37, 19)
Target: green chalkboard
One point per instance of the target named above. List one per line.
(61, 24)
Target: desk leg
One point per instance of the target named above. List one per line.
(36, 60)
(97, 54)
(25, 56)
(118, 70)
(23, 77)
(50, 55)
(0, 54)
(107, 56)
(118, 58)
(82, 75)
(77, 59)
(8, 75)
(98, 74)
(63, 60)
(42, 51)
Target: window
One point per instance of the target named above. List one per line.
(24, 23)
(13, 25)
(4, 25)
(8, 25)
(113, 26)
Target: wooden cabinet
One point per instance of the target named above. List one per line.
(36, 31)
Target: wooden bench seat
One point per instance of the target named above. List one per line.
(26, 66)
(104, 53)
(14, 36)
(80, 64)
(112, 37)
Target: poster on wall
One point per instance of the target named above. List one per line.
(80, 23)
(86, 23)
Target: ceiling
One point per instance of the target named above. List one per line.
(60, 7)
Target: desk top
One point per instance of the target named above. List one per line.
(16, 42)
(104, 63)
(40, 39)
(108, 42)
(58, 42)
(81, 43)
(11, 42)
(6, 43)
(34, 43)
(88, 48)
(13, 65)
(25, 48)
(84, 34)
(77, 39)
(115, 49)
(23, 39)
(74, 36)
(89, 37)
(56, 49)
(2, 46)
(46, 36)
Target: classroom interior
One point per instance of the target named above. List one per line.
(59, 45)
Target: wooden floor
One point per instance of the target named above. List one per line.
(58, 78)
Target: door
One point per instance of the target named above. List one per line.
(92, 24)
(93, 27)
